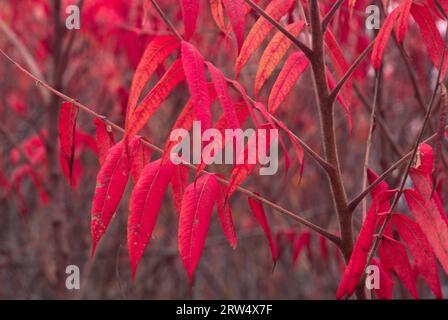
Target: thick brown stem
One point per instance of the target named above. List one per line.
(326, 116)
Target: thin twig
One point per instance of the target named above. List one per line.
(369, 141)
(26, 55)
(334, 93)
(331, 14)
(166, 20)
(411, 160)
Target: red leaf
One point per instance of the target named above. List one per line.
(426, 206)
(222, 90)
(67, 130)
(245, 98)
(421, 175)
(225, 218)
(184, 121)
(110, 184)
(402, 21)
(197, 206)
(234, 9)
(139, 155)
(382, 186)
(179, 182)
(76, 173)
(394, 257)
(190, 10)
(419, 247)
(276, 9)
(383, 37)
(144, 207)
(430, 221)
(104, 139)
(339, 63)
(193, 64)
(245, 162)
(242, 113)
(443, 7)
(302, 242)
(271, 126)
(155, 97)
(156, 52)
(323, 248)
(296, 145)
(357, 262)
(217, 10)
(430, 35)
(293, 68)
(273, 54)
(386, 283)
(258, 211)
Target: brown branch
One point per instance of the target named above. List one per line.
(334, 93)
(330, 14)
(326, 117)
(166, 20)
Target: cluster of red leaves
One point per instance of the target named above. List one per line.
(195, 201)
(424, 237)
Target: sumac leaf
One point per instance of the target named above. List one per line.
(383, 37)
(190, 10)
(225, 218)
(156, 52)
(155, 97)
(293, 68)
(358, 259)
(104, 139)
(67, 133)
(193, 64)
(273, 54)
(276, 9)
(144, 207)
(424, 259)
(139, 155)
(234, 9)
(110, 184)
(394, 257)
(258, 211)
(194, 221)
